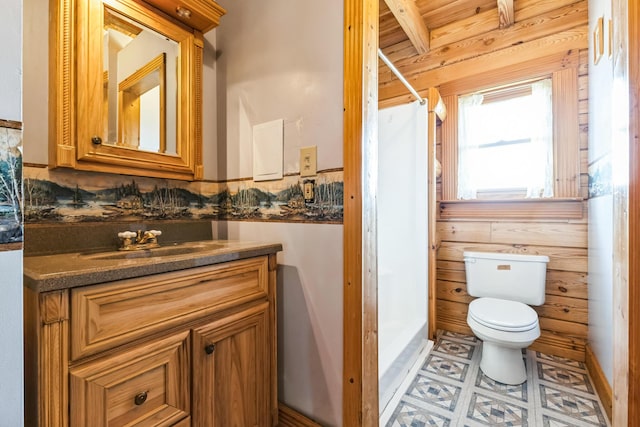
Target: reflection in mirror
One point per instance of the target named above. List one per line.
(141, 99)
(141, 120)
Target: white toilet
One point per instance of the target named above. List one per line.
(500, 317)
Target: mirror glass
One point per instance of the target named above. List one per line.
(140, 85)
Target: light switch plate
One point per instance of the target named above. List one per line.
(308, 161)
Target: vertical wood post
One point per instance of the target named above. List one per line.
(273, 327)
(633, 16)
(360, 361)
(437, 110)
(626, 213)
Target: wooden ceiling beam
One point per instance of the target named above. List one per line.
(505, 13)
(408, 16)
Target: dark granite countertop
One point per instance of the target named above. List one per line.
(62, 271)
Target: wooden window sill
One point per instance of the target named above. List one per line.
(560, 208)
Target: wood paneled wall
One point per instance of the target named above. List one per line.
(563, 317)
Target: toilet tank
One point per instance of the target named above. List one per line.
(507, 276)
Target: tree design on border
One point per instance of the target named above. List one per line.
(11, 201)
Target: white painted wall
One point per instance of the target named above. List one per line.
(279, 60)
(210, 107)
(11, 69)
(402, 242)
(11, 367)
(283, 59)
(600, 279)
(35, 94)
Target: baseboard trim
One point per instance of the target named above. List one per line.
(289, 417)
(599, 380)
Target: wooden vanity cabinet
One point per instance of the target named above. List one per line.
(191, 347)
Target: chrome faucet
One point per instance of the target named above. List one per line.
(134, 241)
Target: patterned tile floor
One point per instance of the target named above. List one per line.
(450, 390)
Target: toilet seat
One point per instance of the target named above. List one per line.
(503, 315)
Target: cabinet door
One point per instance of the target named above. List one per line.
(145, 386)
(231, 370)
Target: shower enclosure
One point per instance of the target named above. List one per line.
(403, 242)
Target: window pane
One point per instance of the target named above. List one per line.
(506, 143)
(502, 121)
(506, 166)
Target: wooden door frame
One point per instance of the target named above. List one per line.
(360, 299)
(626, 217)
(360, 304)
(633, 38)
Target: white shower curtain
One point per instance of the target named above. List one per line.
(402, 242)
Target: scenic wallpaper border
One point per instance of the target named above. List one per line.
(63, 195)
(10, 183)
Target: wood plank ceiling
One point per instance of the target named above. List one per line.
(434, 14)
(428, 40)
(409, 29)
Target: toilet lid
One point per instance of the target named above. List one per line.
(503, 314)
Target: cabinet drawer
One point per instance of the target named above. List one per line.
(148, 385)
(110, 314)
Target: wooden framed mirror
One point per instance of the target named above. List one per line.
(126, 87)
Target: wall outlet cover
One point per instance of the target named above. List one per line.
(309, 190)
